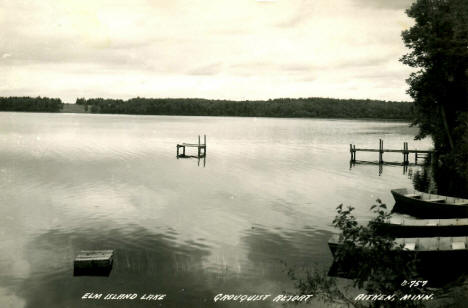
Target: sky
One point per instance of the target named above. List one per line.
(216, 49)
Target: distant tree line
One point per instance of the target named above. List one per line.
(283, 107)
(32, 104)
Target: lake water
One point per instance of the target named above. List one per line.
(262, 202)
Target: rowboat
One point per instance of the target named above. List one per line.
(424, 247)
(440, 260)
(424, 205)
(403, 226)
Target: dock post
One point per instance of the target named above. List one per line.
(416, 158)
(199, 146)
(405, 153)
(204, 148)
(352, 150)
(380, 151)
(177, 146)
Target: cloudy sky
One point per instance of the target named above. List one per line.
(227, 49)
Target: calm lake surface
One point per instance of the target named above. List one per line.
(265, 198)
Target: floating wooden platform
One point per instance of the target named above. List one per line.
(93, 262)
(201, 148)
(418, 154)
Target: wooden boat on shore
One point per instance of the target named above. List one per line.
(425, 247)
(440, 260)
(424, 205)
(401, 226)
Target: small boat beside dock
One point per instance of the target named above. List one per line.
(401, 226)
(424, 205)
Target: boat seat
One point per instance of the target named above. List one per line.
(458, 245)
(432, 222)
(436, 200)
(413, 195)
(409, 246)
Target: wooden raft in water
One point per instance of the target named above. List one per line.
(93, 262)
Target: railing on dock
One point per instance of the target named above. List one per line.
(201, 148)
(405, 151)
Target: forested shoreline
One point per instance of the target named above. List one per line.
(30, 104)
(284, 107)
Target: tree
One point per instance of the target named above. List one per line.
(438, 44)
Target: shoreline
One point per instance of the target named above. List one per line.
(218, 116)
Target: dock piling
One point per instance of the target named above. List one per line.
(380, 151)
(405, 153)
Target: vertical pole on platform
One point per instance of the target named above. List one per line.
(198, 146)
(204, 148)
(405, 153)
(380, 151)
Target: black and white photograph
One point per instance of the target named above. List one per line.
(233, 154)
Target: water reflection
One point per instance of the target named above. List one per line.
(156, 263)
(73, 182)
(406, 168)
(199, 159)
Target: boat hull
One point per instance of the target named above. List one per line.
(427, 209)
(409, 227)
(432, 248)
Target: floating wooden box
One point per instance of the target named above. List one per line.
(93, 262)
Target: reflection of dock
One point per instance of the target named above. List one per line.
(382, 164)
(405, 151)
(201, 148)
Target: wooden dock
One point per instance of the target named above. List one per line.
(418, 154)
(201, 148)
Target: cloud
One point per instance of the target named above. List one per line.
(385, 4)
(210, 69)
(212, 48)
